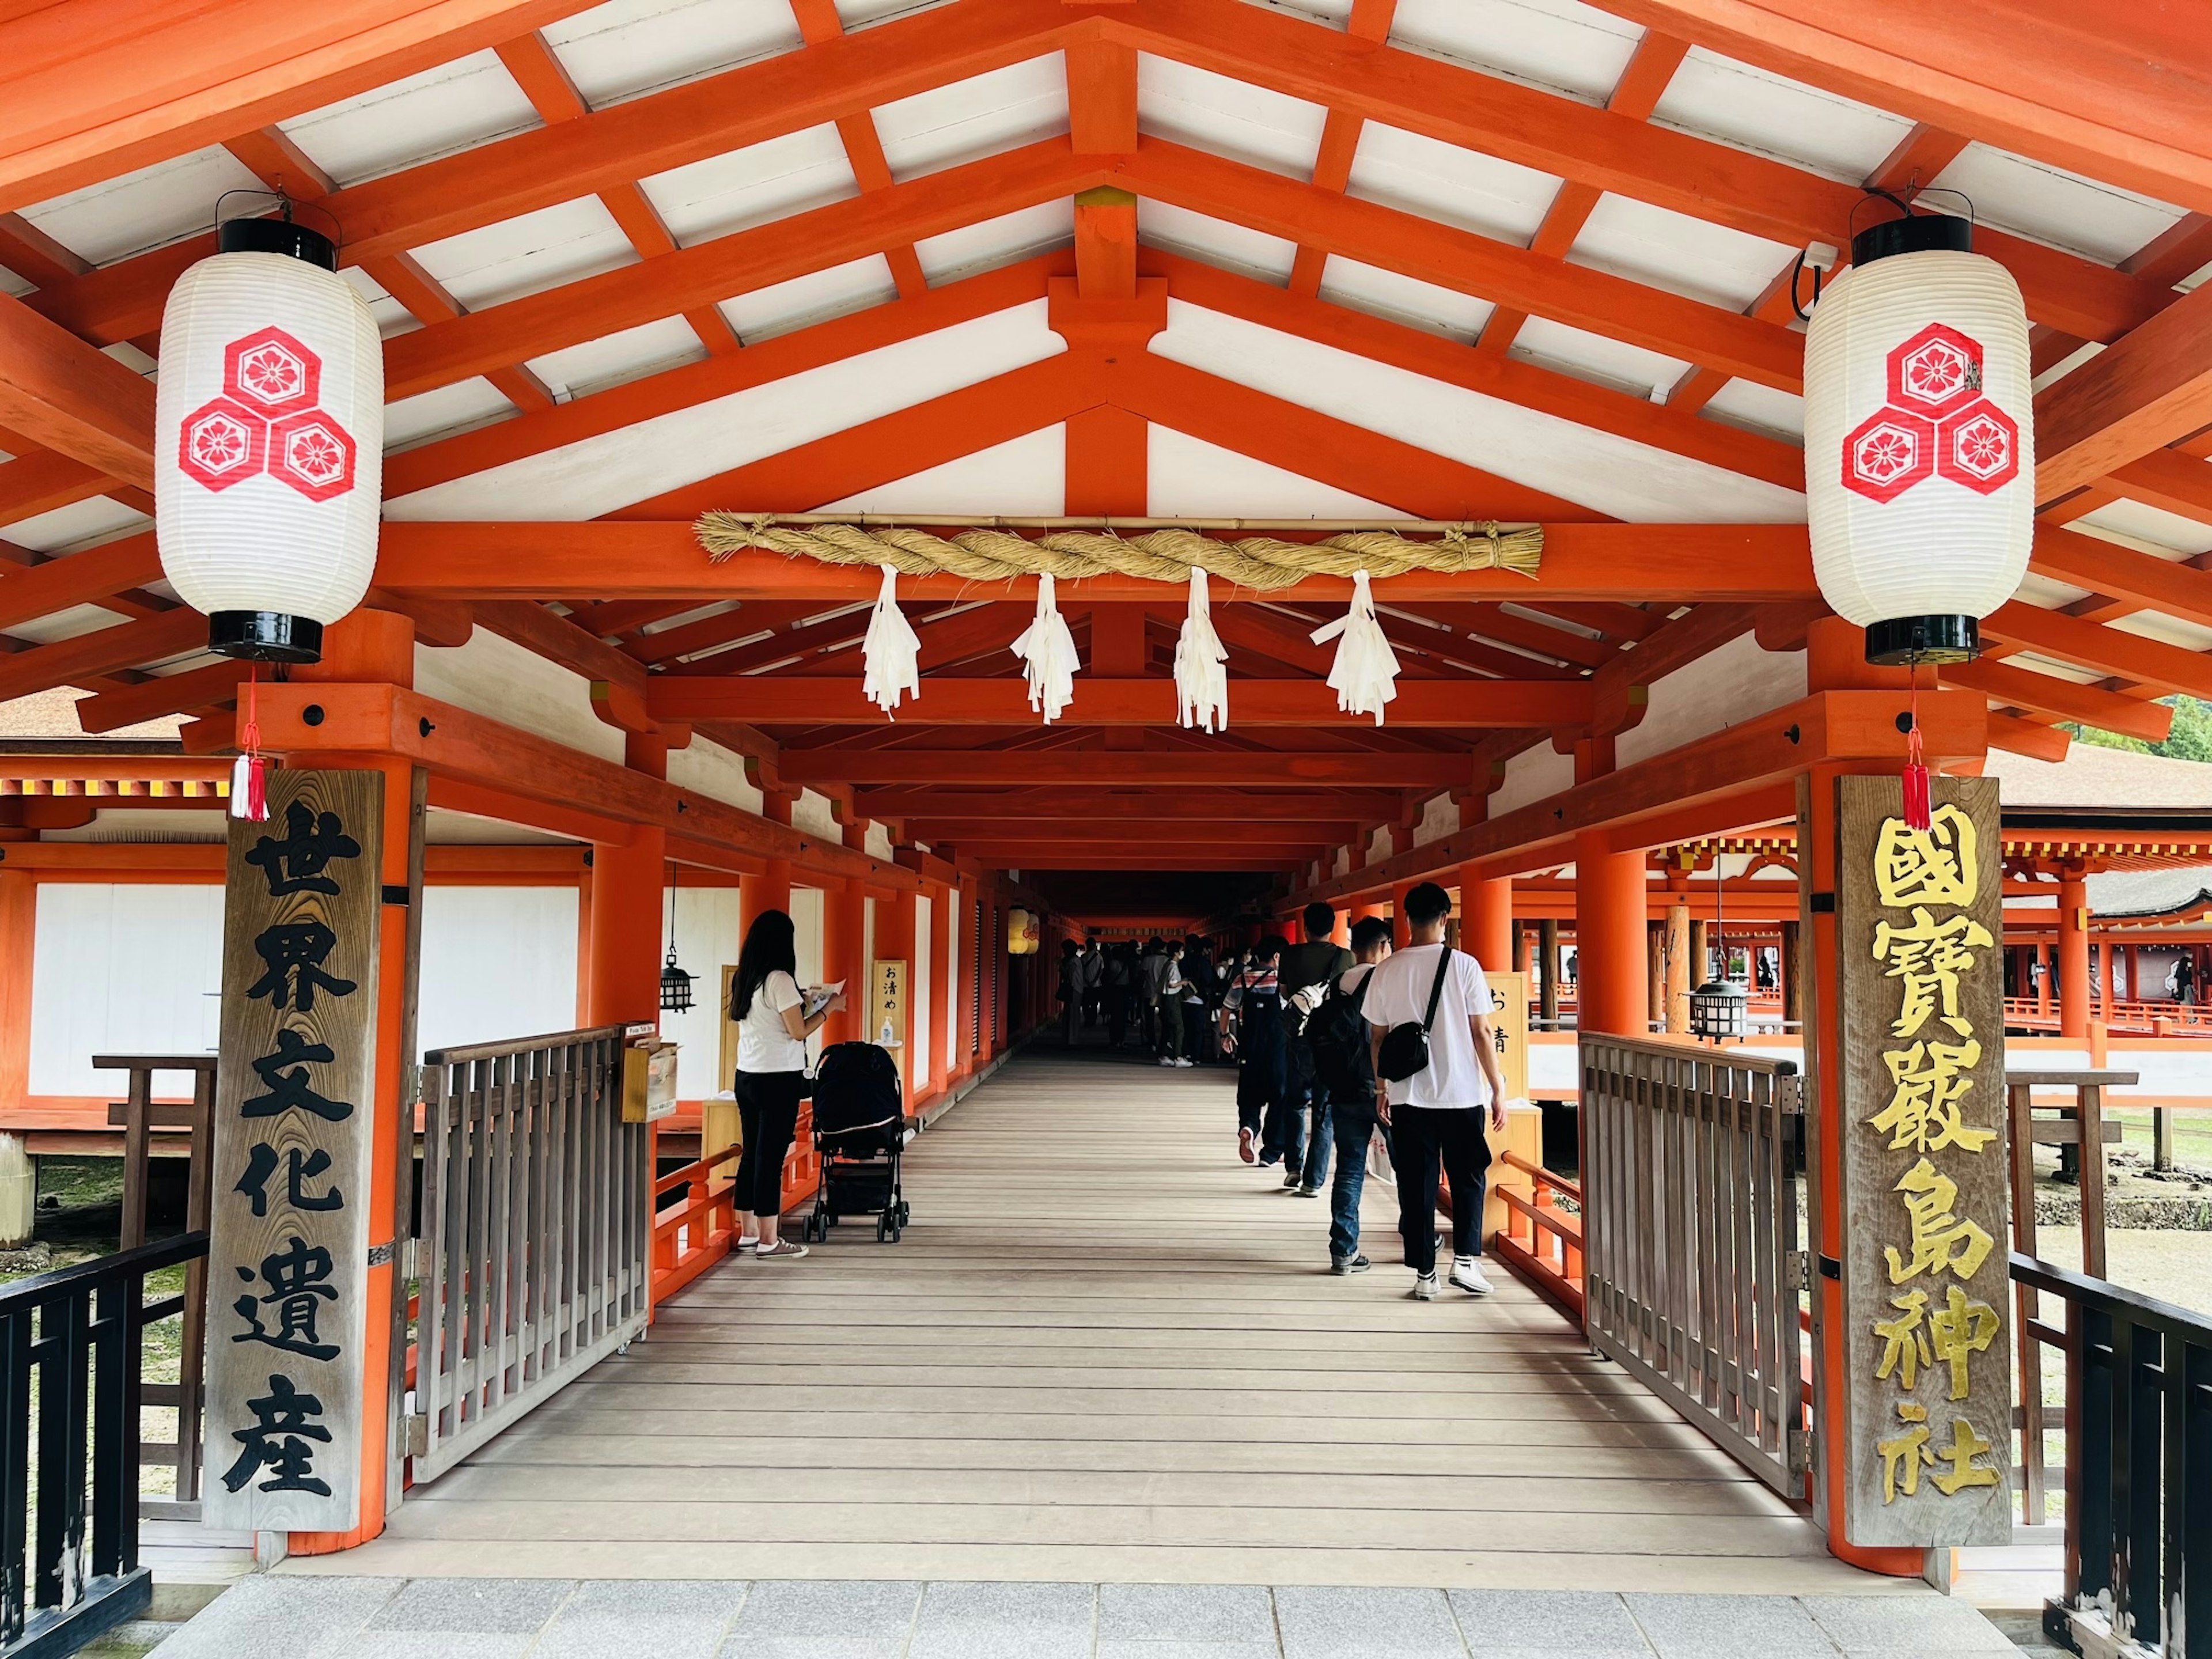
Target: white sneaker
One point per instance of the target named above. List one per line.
(1167, 1060)
(1467, 1273)
(1424, 1287)
(1186, 1062)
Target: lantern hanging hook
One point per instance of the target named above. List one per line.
(286, 207)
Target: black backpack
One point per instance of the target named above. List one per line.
(1336, 1033)
(856, 1087)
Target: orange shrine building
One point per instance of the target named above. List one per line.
(716, 336)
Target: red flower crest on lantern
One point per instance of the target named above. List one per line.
(313, 454)
(1890, 452)
(1935, 370)
(1978, 447)
(270, 371)
(223, 443)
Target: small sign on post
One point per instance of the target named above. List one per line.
(1927, 1418)
(294, 1113)
(887, 1003)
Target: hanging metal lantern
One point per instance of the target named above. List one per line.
(1919, 439)
(268, 445)
(675, 986)
(1720, 1008)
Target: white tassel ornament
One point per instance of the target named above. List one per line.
(1047, 652)
(1364, 674)
(892, 655)
(1201, 681)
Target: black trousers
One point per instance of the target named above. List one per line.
(1423, 1141)
(767, 1117)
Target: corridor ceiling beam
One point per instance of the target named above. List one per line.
(1156, 807)
(77, 401)
(1118, 769)
(765, 700)
(2151, 389)
(1755, 563)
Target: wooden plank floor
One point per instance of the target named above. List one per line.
(1105, 1350)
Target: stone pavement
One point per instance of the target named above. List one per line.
(282, 1616)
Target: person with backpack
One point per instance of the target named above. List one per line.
(1428, 1015)
(1343, 1080)
(773, 1026)
(1307, 970)
(1254, 1002)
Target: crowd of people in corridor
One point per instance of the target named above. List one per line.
(1340, 1050)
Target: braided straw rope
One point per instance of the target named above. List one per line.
(1164, 555)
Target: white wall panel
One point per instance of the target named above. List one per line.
(498, 963)
(1718, 691)
(919, 993)
(493, 677)
(125, 969)
(1022, 476)
(1187, 477)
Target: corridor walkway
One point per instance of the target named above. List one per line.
(1105, 1351)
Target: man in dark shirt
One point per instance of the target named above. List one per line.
(1307, 971)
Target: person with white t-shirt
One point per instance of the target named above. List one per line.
(1436, 1115)
(773, 1026)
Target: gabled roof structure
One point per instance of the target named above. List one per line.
(1350, 260)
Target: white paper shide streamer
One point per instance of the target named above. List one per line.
(1364, 675)
(1201, 679)
(892, 655)
(1048, 653)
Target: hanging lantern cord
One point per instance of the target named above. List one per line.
(1918, 792)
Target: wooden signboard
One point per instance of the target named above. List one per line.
(1508, 1026)
(294, 1115)
(887, 1003)
(1926, 1451)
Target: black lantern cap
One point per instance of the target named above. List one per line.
(1901, 641)
(284, 236)
(265, 636)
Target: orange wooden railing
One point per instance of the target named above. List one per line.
(1541, 1242)
(2121, 1018)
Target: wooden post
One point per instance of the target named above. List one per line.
(942, 1061)
(19, 911)
(1547, 987)
(2074, 1001)
(894, 944)
(2041, 973)
(1654, 952)
(1788, 968)
(1402, 930)
(1487, 915)
(844, 926)
(1677, 949)
(2107, 967)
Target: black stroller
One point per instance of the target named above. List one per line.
(860, 1130)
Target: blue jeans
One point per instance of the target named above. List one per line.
(1318, 1138)
(1351, 1126)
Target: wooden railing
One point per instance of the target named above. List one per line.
(691, 1235)
(532, 1238)
(1539, 1239)
(1693, 1268)
(139, 1114)
(70, 1349)
(2120, 1018)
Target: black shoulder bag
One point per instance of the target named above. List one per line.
(1405, 1051)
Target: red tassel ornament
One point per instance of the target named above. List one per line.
(1917, 803)
(249, 772)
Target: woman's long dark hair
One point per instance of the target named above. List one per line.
(771, 945)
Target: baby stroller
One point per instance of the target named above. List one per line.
(860, 1129)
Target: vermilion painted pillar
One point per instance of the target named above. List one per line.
(627, 897)
(943, 1021)
(1486, 919)
(895, 941)
(844, 926)
(1611, 989)
(19, 905)
(1402, 930)
(2074, 998)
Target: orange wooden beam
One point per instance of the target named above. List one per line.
(1268, 769)
(42, 481)
(1148, 806)
(777, 700)
(2108, 650)
(84, 578)
(2119, 95)
(76, 400)
(2177, 480)
(2103, 567)
(2139, 395)
(127, 645)
(1688, 564)
(2045, 693)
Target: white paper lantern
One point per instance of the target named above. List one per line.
(1919, 441)
(269, 441)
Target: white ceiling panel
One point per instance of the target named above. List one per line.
(1027, 475)
(626, 47)
(2052, 205)
(750, 186)
(1610, 474)
(80, 524)
(2050, 595)
(1190, 478)
(529, 254)
(2071, 673)
(78, 619)
(1335, 14)
(1407, 300)
(1594, 357)
(1223, 116)
(577, 371)
(1674, 252)
(600, 475)
(999, 241)
(814, 298)
(1441, 181)
(857, 15)
(439, 414)
(13, 286)
(1215, 241)
(970, 119)
(391, 317)
(453, 106)
(1762, 408)
(2151, 529)
(1556, 44)
(155, 205)
(2150, 625)
(1749, 108)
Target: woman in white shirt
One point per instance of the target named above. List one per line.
(773, 1027)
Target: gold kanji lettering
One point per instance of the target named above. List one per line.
(1931, 957)
(1904, 1455)
(1966, 1446)
(1934, 866)
(1958, 1329)
(1930, 1078)
(1942, 1242)
(1907, 1348)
